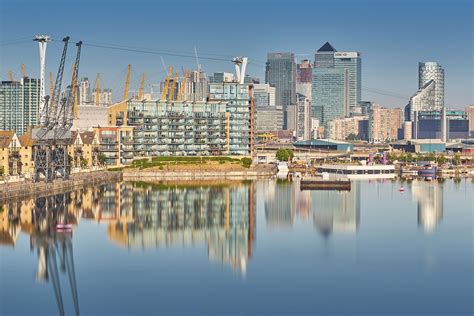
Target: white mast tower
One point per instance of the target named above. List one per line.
(42, 42)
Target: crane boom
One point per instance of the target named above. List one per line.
(173, 86)
(183, 85)
(165, 88)
(97, 89)
(74, 88)
(51, 84)
(53, 107)
(127, 83)
(10, 75)
(142, 84)
(23, 75)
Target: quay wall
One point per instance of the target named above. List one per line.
(28, 189)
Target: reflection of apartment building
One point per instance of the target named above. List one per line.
(430, 204)
(222, 217)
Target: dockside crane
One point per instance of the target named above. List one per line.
(183, 86)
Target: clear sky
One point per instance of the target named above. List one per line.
(392, 35)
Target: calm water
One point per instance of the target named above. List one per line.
(261, 248)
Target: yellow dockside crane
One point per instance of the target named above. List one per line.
(142, 85)
(97, 89)
(127, 83)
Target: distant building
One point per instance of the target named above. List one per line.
(341, 129)
(470, 117)
(220, 77)
(384, 124)
(268, 119)
(263, 95)
(289, 120)
(19, 104)
(304, 78)
(428, 71)
(281, 73)
(423, 100)
(90, 115)
(428, 125)
(303, 117)
(84, 91)
(336, 83)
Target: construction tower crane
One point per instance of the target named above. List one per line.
(97, 89)
(10, 75)
(23, 75)
(183, 86)
(165, 88)
(173, 87)
(127, 83)
(142, 84)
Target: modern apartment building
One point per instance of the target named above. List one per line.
(19, 104)
(84, 91)
(268, 119)
(341, 129)
(303, 117)
(281, 74)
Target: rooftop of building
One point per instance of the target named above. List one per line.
(327, 48)
(87, 137)
(320, 142)
(6, 138)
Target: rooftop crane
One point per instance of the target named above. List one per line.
(183, 86)
(127, 83)
(173, 87)
(142, 84)
(23, 71)
(165, 88)
(97, 89)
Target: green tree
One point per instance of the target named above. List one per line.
(457, 159)
(441, 160)
(409, 157)
(246, 162)
(83, 162)
(102, 159)
(2, 170)
(352, 136)
(284, 154)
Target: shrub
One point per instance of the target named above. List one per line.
(246, 162)
(283, 154)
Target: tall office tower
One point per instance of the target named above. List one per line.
(263, 95)
(281, 73)
(84, 91)
(19, 104)
(304, 77)
(106, 97)
(432, 71)
(303, 117)
(336, 83)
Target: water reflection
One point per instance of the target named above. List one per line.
(429, 197)
(331, 210)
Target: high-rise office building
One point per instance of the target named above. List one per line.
(281, 74)
(84, 91)
(384, 124)
(432, 71)
(304, 77)
(336, 83)
(19, 104)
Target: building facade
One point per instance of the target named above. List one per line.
(344, 128)
(303, 117)
(384, 124)
(304, 78)
(84, 91)
(19, 104)
(281, 74)
(268, 119)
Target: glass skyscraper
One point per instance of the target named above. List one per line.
(336, 86)
(432, 71)
(281, 73)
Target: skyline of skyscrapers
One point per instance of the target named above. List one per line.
(432, 71)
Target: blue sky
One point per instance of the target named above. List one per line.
(392, 35)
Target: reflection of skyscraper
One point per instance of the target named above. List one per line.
(337, 211)
(430, 203)
(278, 204)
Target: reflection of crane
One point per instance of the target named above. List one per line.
(54, 245)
